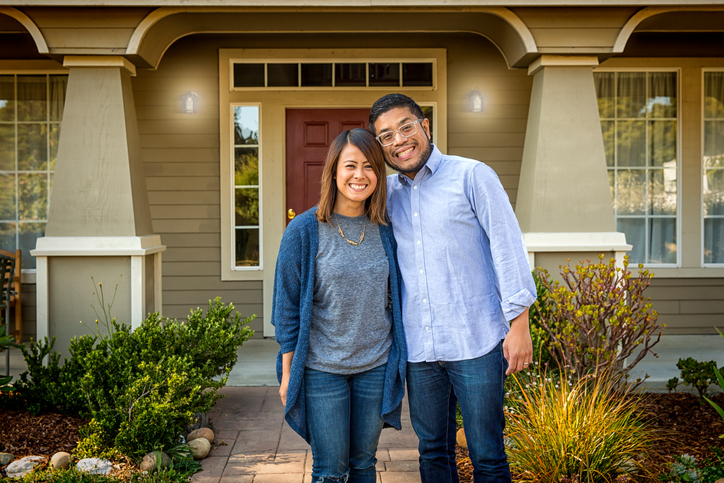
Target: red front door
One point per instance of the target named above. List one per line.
(309, 133)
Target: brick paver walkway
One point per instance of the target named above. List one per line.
(259, 447)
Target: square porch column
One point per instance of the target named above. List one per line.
(564, 202)
(99, 221)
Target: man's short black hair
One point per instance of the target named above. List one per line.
(392, 101)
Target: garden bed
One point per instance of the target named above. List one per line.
(694, 425)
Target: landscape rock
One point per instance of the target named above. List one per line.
(201, 433)
(155, 459)
(6, 458)
(94, 466)
(60, 460)
(461, 439)
(199, 448)
(720, 480)
(18, 469)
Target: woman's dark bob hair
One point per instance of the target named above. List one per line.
(374, 205)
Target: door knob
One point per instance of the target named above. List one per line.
(291, 213)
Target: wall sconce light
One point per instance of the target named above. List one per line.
(189, 102)
(476, 101)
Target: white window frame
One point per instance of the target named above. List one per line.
(232, 185)
(679, 163)
(702, 168)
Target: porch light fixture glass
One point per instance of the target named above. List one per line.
(189, 102)
(476, 101)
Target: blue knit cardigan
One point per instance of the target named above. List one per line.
(292, 315)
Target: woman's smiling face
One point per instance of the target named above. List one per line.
(356, 180)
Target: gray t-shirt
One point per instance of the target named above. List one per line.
(351, 320)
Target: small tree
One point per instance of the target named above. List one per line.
(598, 317)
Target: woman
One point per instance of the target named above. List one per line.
(336, 310)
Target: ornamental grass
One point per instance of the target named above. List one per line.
(577, 431)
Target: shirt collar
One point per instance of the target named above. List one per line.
(433, 162)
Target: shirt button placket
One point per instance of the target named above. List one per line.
(425, 310)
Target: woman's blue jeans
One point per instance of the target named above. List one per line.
(344, 424)
(434, 388)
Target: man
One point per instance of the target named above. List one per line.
(466, 291)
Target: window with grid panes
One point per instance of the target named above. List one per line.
(639, 119)
(713, 168)
(247, 227)
(31, 109)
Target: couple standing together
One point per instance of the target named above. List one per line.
(422, 278)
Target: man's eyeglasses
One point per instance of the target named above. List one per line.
(406, 130)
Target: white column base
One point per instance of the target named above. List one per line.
(576, 242)
(135, 247)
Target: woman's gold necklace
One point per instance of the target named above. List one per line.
(351, 242)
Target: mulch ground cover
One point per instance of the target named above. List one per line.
(691, 424)
(688, 425)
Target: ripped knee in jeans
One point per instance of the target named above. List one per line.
(332, 479)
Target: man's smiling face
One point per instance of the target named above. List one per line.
(406, 155)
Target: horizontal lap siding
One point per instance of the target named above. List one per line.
(181, 160)
(496, 135)
(688, 305)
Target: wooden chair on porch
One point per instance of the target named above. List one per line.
(10, 266)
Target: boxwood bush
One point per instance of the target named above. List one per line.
(140, 388)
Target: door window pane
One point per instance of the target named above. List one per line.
(384, 74)
(247, 247)
(248, 75)
(638, 112)
(348, 74)
(316, 75)
(417, 74)
(282, 75)
(246, 164)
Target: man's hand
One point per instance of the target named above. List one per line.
(518, 346)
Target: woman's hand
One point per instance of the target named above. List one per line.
(286, 371)
(283, 391)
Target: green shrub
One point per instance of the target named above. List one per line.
(685, 469)
(540, 311)
(697, 374)
(47, 387)
(598, 317)
(142, 388)
(579, 430)
(6, 341)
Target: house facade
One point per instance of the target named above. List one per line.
(161, 147)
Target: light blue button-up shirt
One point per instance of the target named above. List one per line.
(464, 266)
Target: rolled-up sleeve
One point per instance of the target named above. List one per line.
(510, 258)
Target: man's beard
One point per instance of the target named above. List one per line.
(424, 156)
